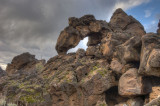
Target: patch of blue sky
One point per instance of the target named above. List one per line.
(148, 14)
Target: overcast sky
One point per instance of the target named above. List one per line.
(34, 25)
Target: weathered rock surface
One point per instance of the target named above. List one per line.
(150, 55)
(121, 21)
(78, 29)
(155, 93)
(68, 38)
(154, 102)
(116, 66)
(130, 50)
(120, 67)
(79, 82)
(112, 40)
(130, 83)
(19, 62)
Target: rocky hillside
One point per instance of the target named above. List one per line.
(121, 67)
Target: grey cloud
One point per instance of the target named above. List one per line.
(34, 25)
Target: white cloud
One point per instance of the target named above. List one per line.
(147, 13)
(127, 4)
(151, 27)
(3, 66)
(153, 22)
(34, 25)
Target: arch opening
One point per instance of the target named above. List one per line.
(82, 44)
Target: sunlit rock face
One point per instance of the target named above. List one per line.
(119, 67)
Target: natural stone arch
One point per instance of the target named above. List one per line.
(97, 30)
(78, 29)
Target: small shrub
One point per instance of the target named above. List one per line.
(2, 102)
(12, 104)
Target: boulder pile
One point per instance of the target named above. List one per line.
(121, 67)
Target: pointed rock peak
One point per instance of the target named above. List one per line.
(119, 19)
(118, 11)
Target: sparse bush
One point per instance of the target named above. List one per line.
(12, 104)
(2, 102)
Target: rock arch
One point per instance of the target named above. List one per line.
(109, 35)
(78, 29)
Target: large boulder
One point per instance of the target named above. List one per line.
(25, 63)
(150, 55)
(112, 40)
(130, 50)
(130, 83)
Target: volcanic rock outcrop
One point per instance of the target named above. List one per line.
(120, 67)
(120, 25)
